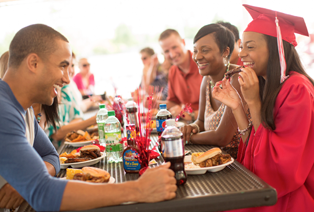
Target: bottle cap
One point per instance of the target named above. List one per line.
(131, 104)
(170, 122)
(111, 113)
(162, 106)
(101, 106)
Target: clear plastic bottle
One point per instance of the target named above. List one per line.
(101, 117)
(114, 148)
(131, 114)
(173, 150)
(161, 117)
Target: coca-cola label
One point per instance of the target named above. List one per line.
(173, 148)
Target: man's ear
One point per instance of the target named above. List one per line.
(32, 61)
(183, 41)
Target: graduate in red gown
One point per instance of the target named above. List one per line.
(278, 145)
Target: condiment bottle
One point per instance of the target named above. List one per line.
(131, 153)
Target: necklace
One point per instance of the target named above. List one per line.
(38, 116)
(212, 85)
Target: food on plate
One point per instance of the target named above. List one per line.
(76, 160)
(71, 172)
(212, 157)
(90, 151)
(85, 153)
(73, 154)
(62, 160)
(94, 175)
(78, 136)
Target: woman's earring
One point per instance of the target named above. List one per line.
(225, 61)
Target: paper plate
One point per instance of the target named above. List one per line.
(84, 163)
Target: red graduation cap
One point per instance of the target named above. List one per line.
(276, 24)
(264, 22)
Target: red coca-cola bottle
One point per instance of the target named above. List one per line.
(173, 150)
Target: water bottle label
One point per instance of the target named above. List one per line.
(160, 125)
(101, 130)
(130, 160)
(172, 148)
(132, 119)
(113, 142)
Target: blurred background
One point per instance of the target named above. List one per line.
(111, 33)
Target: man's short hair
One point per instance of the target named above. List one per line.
(148, 51)
(232, 28)
(38, 38)
(165, 34)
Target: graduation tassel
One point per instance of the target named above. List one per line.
(281, 52)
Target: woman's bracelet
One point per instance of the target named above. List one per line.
(242, 132)
(195, 125)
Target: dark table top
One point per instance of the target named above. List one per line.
(232, 188)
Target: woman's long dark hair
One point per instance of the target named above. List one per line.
(51, 113)
(272, 85)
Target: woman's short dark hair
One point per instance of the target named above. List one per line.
(273, 85)
(224, 37)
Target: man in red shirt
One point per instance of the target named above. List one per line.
(184, 80)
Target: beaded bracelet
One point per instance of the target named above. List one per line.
(195, 125)
(242, 132)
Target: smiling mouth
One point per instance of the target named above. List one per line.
(248, 64)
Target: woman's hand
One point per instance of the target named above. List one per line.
(249, 85)
(227, 94)
(187, 130)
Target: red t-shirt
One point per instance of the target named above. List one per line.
(184, 88)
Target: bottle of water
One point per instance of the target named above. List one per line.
(173, 150)
(101, 117)
(114, 148)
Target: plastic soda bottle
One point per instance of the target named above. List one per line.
(162, 115)
(101, 117)
(131, 114)
(114, 148)
(173, 150)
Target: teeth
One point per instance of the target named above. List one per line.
(57, 86)
(248, 63)
(201, 65)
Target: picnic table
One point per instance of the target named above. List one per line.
(232, 188)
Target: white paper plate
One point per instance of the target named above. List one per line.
(78, 144)
(199, 170)
(84, 163)
(111, 180)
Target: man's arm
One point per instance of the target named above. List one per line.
(46, 150)
(154, 185)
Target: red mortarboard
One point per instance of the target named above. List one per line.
(279, 25)
(264, 22)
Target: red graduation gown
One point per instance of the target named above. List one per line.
(284, 158)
